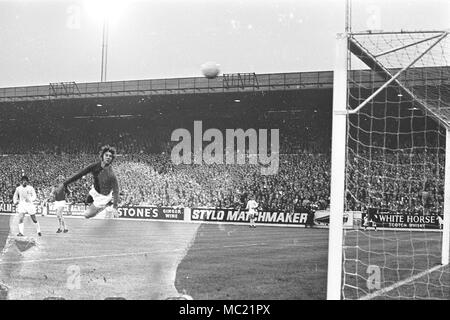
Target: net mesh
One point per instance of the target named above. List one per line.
(395, 166)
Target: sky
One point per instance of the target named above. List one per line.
(58, 41)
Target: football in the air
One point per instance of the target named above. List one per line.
(210, 69)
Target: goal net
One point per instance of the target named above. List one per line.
(396, 115)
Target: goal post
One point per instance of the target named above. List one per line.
(338, 169)
(446, 223)
(390, 155)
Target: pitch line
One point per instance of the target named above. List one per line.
(246, 245)
(399, 284)
(117, 255)
(87, 257)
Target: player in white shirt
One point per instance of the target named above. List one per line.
(252, 207)
(24, 198)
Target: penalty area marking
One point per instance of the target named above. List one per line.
(400, 283)
(88, 257)
(116, 255)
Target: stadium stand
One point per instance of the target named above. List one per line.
(45, 140)
(45, 148)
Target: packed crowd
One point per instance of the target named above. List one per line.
(400, 182)
(50, 150)
(302, 180)
(152, 179)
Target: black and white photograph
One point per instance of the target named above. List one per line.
(224, 150)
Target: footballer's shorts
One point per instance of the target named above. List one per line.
(100, 200)
(26, 207)
(59, 204)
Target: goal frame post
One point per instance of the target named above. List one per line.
(446, 223)
(338, 159)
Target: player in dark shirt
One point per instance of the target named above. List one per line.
(310, 218)
(427, 200)
(58, 196)
(371, 218)
(105, 186)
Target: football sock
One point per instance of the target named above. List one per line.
(38, 227)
